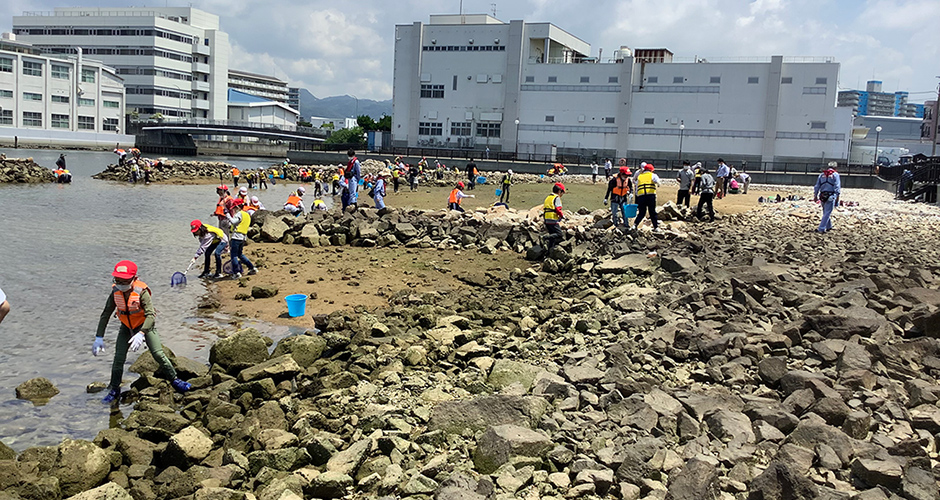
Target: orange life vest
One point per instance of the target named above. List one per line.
(622, 187)
(253, 208)
(129, 311)
(220, 206)
(453, 197)
(294, 200)
(235, 172)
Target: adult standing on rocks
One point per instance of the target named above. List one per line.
(827, 190)
(130, 299)
(211, 240)
(618, 192)
(594, 168)
(4, 305)
(707, 193)
(721, 179)
(646, 184)
(553, 214)
(355, 168)
(685, 178)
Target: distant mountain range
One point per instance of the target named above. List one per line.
(341, 106)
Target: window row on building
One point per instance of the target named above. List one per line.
(99, 31)
(33, 119)
(460, 129)
(144, 90)
(583, 79)
(464, 48)
(715, 80)
(121, 51)
(150, 71)
(60, 99)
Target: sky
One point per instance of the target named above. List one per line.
(339, 47)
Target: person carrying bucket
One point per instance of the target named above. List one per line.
(620, 194)
(506, 184)
(553, 215)
(130, 301)
(211, 240)
(456, 196)
(240, 221)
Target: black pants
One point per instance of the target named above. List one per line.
(505, 193)
(695, 185)
(646, 202)
(235, 179)
(395, 183)
(705, 199)
(684, 195)
(262, 183)
(455, 206)
(555, 235)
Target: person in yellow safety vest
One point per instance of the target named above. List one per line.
(319, 204)
(620, 192)
(456, 195)
(552, 213)
(211, 240)
(646, 184)
(241, 221)
(130, 301)
(295, 202)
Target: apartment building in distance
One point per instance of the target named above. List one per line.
(874, 102)
(473, 81)
(174, 60)
(266, 87)
(58, 100)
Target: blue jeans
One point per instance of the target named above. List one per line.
(238, 258)
(826, 223)
(379, 201)
(219, 250)
(618, 212)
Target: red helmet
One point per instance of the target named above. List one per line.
(222, 187)
(125, 270)
(460, 185)
(195, 225)
(560, 186)
(648, 166)
(625, 170)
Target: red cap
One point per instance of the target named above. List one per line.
(625, 170)
(125, 270)
(560, 186)
(195, 225)
(238, 202)
(460, 184)
(648, 166)
(223, 187)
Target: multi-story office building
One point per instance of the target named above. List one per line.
(873, 102)
(293, 97)
(472, 81)
(63, 100)
(266, 87)
(174, 60)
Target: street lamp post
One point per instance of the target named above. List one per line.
(516, 150)
(874, 161)
(681, 133)
(179, 97)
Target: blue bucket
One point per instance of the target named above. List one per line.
(499, 192)
(296, 304)
(630, 210)
(481, 180)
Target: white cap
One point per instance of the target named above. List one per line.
(254, 199)
(301, 190)
(510, 171)
(243, 190)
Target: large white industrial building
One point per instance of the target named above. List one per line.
(472, 81)
(174, 60)
(58, 100)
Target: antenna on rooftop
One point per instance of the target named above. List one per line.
(461, 7)
(493, 5)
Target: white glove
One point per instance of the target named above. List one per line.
(191, 264)
(136, 341)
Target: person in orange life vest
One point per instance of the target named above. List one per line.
(453, 202)
(223, 207)
(552, 214)
(235, 175)
(619, 192)
(295, 202)
(130, 301)
(254, 206)
(211, 240)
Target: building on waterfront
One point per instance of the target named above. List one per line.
(244, 107)
(473, 81)
(266, 87)
(293, 97)
(874, 102)
(58, 100)
(174, 60)
(335, 123)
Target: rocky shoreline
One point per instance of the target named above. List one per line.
(23, 171)
(746, 359)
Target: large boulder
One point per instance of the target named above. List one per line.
(485, 411)
(273, 229)
(80, 466)
(501, 443)
(506, 372)
(109, 491)
(37, 390)
(278, 368)
(304, 349)
(241, 350)
(781, 481)
(698, 479)
(188, 447)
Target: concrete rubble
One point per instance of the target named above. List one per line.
(745, 359)
(23, 171)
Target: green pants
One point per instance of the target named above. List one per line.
(120, 355)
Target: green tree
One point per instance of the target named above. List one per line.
(302, 123)
(366, 122)
(384, 123)
(347, 136)
(327, 126)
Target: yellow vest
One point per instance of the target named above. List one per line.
(549, 208)
(645, 184)
(219, 234)
(245, 223)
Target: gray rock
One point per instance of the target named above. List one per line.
(678, 265)
(482, 412)
(810, 433)
(781, 482)
(919, 484)
(698, 479)
(188, 447)
(280, 368)
(243, 349)
(506, 372)
(80, 466)
(37, 390)
(878, 472)
(730, 426)
(854, 357)
(273, 229)
(832, 410)
(502, 442)
(330, 484)
(108, 491)
(634, 263)
(583, 374)
(635, 467)
(349, 460)
(304, 349)
(264, 291)
(772, 369)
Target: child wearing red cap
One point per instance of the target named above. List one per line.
(130, 302)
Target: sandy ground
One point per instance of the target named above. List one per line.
(346, 277)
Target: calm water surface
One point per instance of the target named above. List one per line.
(58, 245)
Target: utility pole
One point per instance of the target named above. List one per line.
(936, 123)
